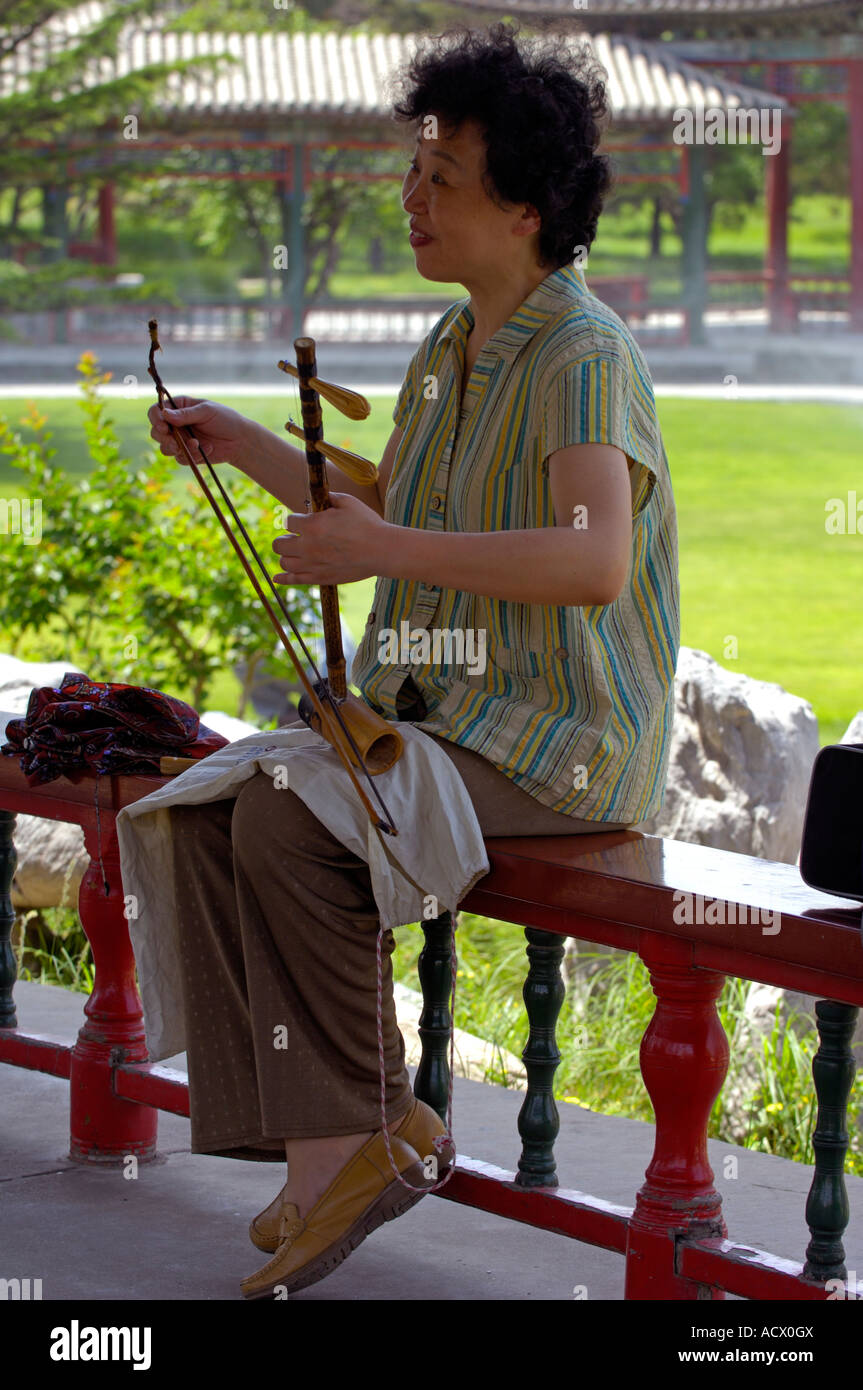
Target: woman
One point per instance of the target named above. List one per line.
(523, 499)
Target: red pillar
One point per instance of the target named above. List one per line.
(107, 234)
(684, 1060)
(103, 1127)
(854, 70)
(778, 199)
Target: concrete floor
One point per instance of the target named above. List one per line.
(179, 1231)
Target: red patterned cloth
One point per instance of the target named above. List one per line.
(98, 726)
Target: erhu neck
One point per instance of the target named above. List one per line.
(320, 497)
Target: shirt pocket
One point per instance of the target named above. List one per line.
(529, 663)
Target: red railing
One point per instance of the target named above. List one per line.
(619, 889)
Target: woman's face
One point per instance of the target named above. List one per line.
(457, 232)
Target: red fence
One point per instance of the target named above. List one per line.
(620, 889)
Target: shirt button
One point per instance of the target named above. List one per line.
(370, 618)
(561, 653)
(437, 503)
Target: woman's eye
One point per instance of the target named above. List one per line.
(412, 167)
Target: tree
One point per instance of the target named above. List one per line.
(83, 594)
(63, 110)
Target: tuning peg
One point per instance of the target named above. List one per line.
(350, 403)
(361, 470)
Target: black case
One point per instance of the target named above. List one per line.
(831, 853)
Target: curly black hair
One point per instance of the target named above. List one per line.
(540, 105)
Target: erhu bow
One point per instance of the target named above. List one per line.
(362, 739)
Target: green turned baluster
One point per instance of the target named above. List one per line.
(435, 972)
(538, 1120)
(827, 1210)
(8, 972)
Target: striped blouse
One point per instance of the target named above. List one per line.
(573, 703)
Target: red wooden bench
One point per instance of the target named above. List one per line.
(620, 889)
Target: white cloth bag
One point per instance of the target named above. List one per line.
(427, 868)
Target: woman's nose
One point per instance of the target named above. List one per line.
(412, 197)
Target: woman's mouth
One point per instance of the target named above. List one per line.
(419, 239)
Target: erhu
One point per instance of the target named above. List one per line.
(379, 742)
(362, 739)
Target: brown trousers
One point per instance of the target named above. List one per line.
(278, 929)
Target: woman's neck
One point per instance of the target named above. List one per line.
(493, 305)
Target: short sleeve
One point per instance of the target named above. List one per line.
(594, 402)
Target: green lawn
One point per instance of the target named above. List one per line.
(133, 427)
(751, 480)
(818, 241)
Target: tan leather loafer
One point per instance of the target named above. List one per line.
(418, 1127)
(362, 1196)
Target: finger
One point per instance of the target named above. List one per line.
(296, 577)
(194, 446)
(159, 432)
(188, 415)
(186, 437)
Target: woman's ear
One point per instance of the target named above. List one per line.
(529, 222)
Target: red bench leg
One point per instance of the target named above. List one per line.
(8, 967)
(684, 1060)
(103, 1127)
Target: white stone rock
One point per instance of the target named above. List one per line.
(854, 732)
(740, 762)
(52, 859)
(226, 725)
(51, 855)
(18, 678)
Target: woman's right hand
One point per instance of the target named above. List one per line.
(224, 434)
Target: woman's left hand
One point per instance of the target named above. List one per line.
(336, 546)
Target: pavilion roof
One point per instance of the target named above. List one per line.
(713, 20)
(713, 9)
(342, 77)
